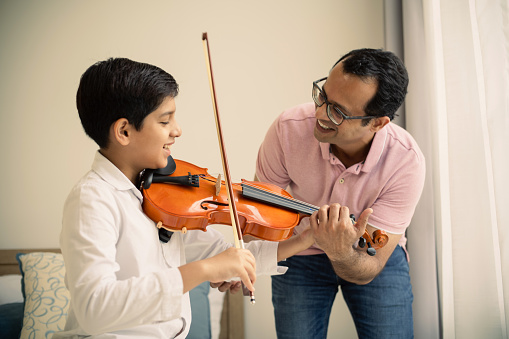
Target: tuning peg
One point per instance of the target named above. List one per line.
(371, 251)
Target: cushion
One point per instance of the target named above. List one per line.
(200, 312)
(46, 297)
(10, 289)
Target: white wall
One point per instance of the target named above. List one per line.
(265, 55)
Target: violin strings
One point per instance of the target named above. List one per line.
(285, 202)
(263, 194)
(278, 196)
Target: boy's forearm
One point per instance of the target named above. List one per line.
(291, 246)
(193, 274)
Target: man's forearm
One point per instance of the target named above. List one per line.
(357, 267)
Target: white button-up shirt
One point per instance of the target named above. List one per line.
(123, 281)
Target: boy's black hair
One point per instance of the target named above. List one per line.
(120, 88)
(389, 72)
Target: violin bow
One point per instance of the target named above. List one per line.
(237, 232)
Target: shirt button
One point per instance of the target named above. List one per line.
(342, 180)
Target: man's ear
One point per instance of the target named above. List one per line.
(122, 131)
(379, 123)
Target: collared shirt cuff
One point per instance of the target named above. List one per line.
(266, 254)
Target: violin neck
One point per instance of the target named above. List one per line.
(260, 194)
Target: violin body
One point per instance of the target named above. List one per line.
(176, 207)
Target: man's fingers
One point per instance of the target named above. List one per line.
(323, 214)
(364, 217)
(313, 221)
(344, 214)
(335, 211)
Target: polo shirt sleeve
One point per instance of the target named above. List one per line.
(270, 164)
(394, 207)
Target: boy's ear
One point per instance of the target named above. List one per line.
(122, 131)
(379, 123)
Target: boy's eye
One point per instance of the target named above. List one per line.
(165, 122)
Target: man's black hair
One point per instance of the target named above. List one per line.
(387, 70)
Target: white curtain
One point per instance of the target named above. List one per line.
(457, 54)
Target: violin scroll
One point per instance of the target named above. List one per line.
(378, 240)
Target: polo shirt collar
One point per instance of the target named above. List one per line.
(374, 155)
(326, 150)
(376, 150)
(112, 175)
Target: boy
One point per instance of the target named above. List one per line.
(123, 281)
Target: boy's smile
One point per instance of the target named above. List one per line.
(150, 146)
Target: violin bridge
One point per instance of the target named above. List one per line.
(218, 185)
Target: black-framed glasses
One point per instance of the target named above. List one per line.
(320, 98)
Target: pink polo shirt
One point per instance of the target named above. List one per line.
(390, 180)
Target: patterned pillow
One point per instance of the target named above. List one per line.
(46, 297)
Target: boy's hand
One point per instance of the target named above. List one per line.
(307, 237)
(232, 286)
(230, 264)
(295, 244)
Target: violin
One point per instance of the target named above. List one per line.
(183, 197)
(191, 199)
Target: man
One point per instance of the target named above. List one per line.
(344, 154)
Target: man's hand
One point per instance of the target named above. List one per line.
(336, 235)
(334, 231)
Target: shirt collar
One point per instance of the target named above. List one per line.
(326, 150)
(376, 150)
(374, 154)
(112, 175)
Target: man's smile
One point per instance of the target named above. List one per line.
(322, 125)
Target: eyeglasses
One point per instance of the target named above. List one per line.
(337, 119)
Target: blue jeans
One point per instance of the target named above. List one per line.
(303, 299)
